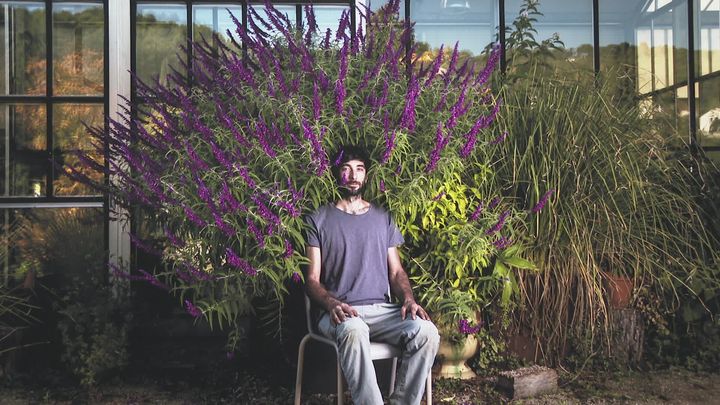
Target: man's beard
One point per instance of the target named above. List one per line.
(346, 192)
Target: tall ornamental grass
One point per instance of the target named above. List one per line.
(623, 204)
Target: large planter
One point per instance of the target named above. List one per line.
(619, 290)
(452, 358)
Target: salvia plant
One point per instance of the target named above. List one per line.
(229, 164)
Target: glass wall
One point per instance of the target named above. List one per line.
(160, 31)
(567, 21)
(470, 23)
(65, 243)
(52, 84)
(707, 67)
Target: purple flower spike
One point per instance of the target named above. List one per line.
(453, 62)
(502, 243)
(435, 66)
(494, 203)
(408, 117)
(382, 186)
(192, 309)
(312, 23)
(192, 216)
(476, 213)
(339, 157)
(173, 238)
(296, 278)
(541, 204)
(316, 102)
(500, 139)
(340, 94)
(288, 250)
(499, 224)
(235, 261)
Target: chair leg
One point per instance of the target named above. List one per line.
(300, 364)
(393, 371)
(428, 389)
(340, 388)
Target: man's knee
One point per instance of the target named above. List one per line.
(424, 333)
(352, 331)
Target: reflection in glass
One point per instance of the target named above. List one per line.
(708, 112)
(160, 31)
(376, 4)
(288, 10)
(707, 43)
(209, 19)
(471, 22)
(645, 41)
(65, 243)
(568, 21)
(22, 48)
(78, 36)
(327, 16)
(69, 133)
(670, 108)
(23, 155)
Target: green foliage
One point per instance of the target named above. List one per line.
(622, 200)
(94, 333)
(278, 126)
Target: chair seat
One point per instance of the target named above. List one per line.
(380, 351)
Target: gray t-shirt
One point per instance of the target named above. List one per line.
(353, 251)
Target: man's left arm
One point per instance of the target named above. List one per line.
(400, 286)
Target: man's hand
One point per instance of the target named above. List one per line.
(410, 307)
(341, 311)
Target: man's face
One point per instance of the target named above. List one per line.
(352, 177)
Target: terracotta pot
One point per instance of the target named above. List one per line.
(452, 358)
(619, 290)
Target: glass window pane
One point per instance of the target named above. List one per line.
(471, 22)
(645, 41)
(328, 16)
(66, 243)
(671, 109)
(568, 21)
(288, 10)
(376, 4)
(714, 155)
(78, 37)
(209, 19)
(160, 31)
(708, 111)
(69, 133)
(23, 155)
(707, 44)
(22, 45)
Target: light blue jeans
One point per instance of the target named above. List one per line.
(418, 339)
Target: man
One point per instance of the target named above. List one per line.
(352, 247)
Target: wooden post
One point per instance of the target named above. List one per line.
(628, 336)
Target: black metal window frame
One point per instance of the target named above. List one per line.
(691, 79)
(50, 200)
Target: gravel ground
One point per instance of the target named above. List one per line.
(230, 385)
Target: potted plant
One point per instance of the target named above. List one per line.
(462, 253)
(617, 283)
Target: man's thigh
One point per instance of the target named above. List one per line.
(386, 324)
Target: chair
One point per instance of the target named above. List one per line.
(378, 351)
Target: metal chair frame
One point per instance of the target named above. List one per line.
(378, 351)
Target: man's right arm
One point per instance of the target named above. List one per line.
(337, 309)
